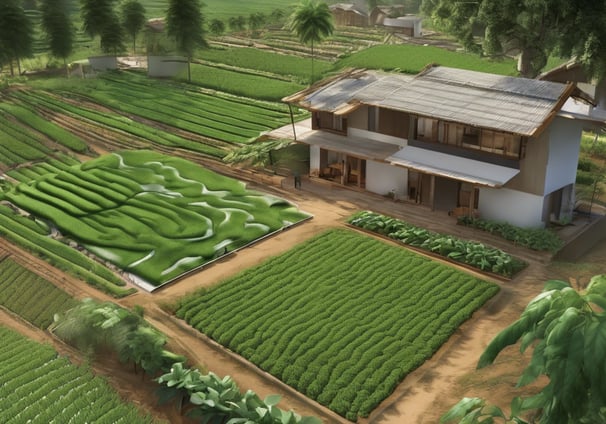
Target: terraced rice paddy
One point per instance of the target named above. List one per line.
(154, 216)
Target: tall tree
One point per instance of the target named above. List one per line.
(112, 36)
(57, 25)
(185, 23)
(312, 22)
(534, 28)
(16, 39)
(133, 19)
(95, 15)
(567, 331)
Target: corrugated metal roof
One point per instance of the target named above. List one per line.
(516, 105)
(449, 166)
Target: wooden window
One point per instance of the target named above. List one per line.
(471, 137)
(427, 129)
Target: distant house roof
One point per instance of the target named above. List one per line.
(516, 105)
(156, 24)
(348, 7)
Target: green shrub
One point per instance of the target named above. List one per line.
(471, 253)
(533, 238)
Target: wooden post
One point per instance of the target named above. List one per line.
(472, 201)
(432, 192)
(292, 120)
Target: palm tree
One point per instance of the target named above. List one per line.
(312, 22)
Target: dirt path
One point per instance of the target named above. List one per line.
(423, 396)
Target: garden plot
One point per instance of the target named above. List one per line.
(155, 217)
(38, 386)
(342, 318)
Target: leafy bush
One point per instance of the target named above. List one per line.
(471, 253)
(219, 400)
(533, 238)
(585, 178)
(586, 165)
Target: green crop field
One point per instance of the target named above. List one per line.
(152, 215)
(412, 59)
(38, 386)
(222, 9)
(342, 318)
(220, 119)
(31, 296)
(266, 61)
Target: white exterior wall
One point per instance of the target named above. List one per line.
(166, 66)
(314, 161)
(516, 207)
(563, 156)
(103, 63)
(382, 178)
(371, 135)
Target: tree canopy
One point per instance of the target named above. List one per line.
(112, 35)
(16, 39)
(185, 23)
(133, 19)
(533, 28)
(57, 25)
(95, 15)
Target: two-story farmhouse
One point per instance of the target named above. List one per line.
(447, 138)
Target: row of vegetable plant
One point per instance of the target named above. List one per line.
(34, 236)
(230, 119)
(533, 238)
(28, 117)
(153, 215)
(29, 295)
(116, 121)
(38, 386)
(53, 164)
(342, 318)
(471, 253)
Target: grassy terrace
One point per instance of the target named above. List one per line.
(152, 215)
(221, 119)
(413, 58)
(342, 318)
